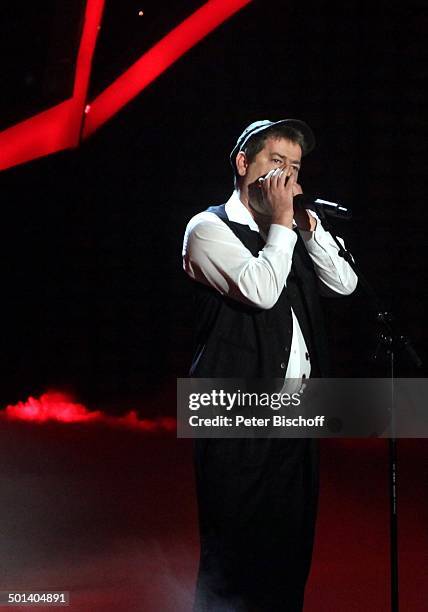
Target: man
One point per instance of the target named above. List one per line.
(258, 264)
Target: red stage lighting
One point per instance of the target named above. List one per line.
(59, 127)
(55, 406)
(160, 57)
(62, 126)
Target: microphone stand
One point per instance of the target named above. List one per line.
(393, 343)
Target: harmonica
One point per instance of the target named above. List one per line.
(261, 179)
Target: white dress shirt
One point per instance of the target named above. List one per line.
(213, 255)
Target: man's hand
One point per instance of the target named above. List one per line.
(277, 192)
(303, 219)
(271, 200)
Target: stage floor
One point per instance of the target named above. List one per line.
(109, 514)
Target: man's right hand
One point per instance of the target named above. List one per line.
(277, 191)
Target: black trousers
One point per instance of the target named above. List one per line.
(257, 501)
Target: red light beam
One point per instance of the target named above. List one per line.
(59, 127)
(155, 61)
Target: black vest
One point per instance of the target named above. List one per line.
(234, 340)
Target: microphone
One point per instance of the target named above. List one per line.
(316, 204)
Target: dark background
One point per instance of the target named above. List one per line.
(93, 293)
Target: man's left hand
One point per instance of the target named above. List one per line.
(304, 220)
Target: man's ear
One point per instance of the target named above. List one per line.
(241, 162)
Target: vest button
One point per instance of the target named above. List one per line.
(283, 366)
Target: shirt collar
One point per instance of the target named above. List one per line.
(237, 212)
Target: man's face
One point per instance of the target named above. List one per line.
(277, 153)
